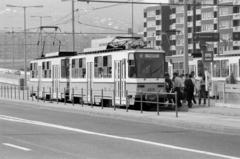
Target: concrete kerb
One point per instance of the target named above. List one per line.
(132, 115)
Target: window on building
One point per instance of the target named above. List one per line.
(207, 15)
(179, 9)
(224, 11)
(206, 2)
(225, 24)
(151, 14)
(151, 23)
(98, 64)
(207, 27)
(179, 20)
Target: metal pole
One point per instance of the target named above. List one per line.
(13, 50)
(25, 48)
(215, 94)
(64, 96)
(91, 97)
(1, 91)
(57, 94)
(127, 103)
(50, 94)
(37, 93)
(185, 38)
(15, 92)
(157, 103)
(208, 98)
(7, 92)
(19, 91)
(194, 24)
(218, 28)
(132, 18)
(73, 25)
(176, 104)
(102, 98)
(141, 104)
(44, 94)
(82, 96)
(11, 92)
(73, 96)
(114, 99)
(27, 93)
(32, 93)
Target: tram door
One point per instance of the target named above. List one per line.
(55, 82)
(233, 68)
(89, 80)
(40, 80)
(120, 82)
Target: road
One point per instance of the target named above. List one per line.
(39, 133)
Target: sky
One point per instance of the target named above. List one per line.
(57, 9)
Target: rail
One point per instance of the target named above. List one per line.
(53, 95)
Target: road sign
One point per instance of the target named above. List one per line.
(207, 56)
(203, 45)
(236, 36)
(206, 36)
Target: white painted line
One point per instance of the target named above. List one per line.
(14, 119)
(18, 147)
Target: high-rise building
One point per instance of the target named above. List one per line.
(206, 16)
(155, 25)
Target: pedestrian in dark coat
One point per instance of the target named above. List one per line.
(189, 88)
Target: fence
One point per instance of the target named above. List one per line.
(53, 95)
(229, 95)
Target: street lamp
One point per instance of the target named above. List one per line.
(13, 43)
(25, 37)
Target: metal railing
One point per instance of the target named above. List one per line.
(89, 95)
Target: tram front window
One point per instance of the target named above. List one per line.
(146, 65)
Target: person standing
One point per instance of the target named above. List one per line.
(169, 87)
(192, 76)
(177, 86)
(189, 88)
(202, 92)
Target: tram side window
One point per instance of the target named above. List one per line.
(82, 68)
(33, 69)
(46, 69)
(216, 68)
(75, 68)
(107, 66)
(98, 63)
(65, 68)
(131, 66)
(224, 68)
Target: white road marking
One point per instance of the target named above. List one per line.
(18, 147)
(14, 119)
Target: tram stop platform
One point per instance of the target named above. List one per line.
(199, 117)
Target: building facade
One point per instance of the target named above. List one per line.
(211, 16)
(155, 25)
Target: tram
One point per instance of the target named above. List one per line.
(124, 64)
(220, 68)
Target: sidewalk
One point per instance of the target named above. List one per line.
(203, 118)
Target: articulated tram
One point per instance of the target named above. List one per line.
(114, 69)
(220, 68)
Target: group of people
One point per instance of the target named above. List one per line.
(185, 86)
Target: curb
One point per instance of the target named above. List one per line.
(144, 118)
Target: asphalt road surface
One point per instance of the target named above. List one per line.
(39, 133)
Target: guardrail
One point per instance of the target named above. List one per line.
(24, 93)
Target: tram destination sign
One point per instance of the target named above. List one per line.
(206, 37)
(207, 56)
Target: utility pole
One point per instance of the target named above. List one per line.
(194, 24)
(185, 38)
(132, 18)
(73, 26)
(12, 44)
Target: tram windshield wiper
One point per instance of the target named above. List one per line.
(154, 72)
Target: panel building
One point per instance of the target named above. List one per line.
(209, 18)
